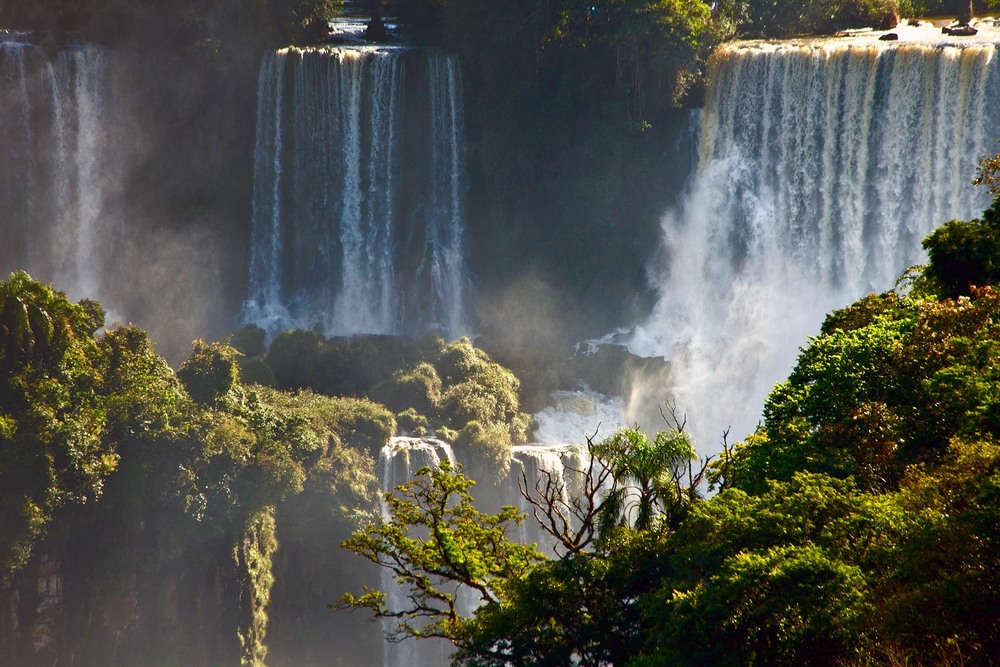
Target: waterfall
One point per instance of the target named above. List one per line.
(358, 202)
(397, 464)
(56, 163)
(531, 465)
(573, 416)
(822, 165)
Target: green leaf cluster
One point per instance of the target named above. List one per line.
(452, 389)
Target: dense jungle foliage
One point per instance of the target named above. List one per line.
(857, 526)
(144, 482)
(124, 480)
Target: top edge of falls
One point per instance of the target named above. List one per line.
(400, 442)
(923, 35)
(15, 37)
(543, 448)
(348, 50)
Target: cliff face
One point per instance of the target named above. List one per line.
(72, 604)
(154, 598)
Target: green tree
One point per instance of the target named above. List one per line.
(210, 372)
(583, 607)
(940, 595)
(432, 540)
(965, 254)
(52, 449)
(888, 383)
(648, 478)
(782, 578)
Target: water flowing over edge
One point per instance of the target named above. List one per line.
(57, 157)
(359, 193)
(398, 462)
(821, 167)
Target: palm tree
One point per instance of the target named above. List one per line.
(648, 478)
(25, 323)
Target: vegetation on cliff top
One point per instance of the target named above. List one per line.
(121, 470)
(452, 390)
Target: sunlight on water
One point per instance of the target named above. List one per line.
(822, 166)
(359, 193)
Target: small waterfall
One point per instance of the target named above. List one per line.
(56, 163)
(822, 166)
(564, 465)
(358, 204)
(397, 464)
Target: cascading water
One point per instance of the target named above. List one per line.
(562, 465)
(56, 163)
(822, 166)
(574, 416)
(397, 464)
(358, 193)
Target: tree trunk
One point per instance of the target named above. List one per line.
(964, 12)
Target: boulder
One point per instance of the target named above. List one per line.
(376, 31)
(959, 30)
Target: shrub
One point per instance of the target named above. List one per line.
(210, 372)
(963, 254)
(254, 370)
(446, 434)
(413, 422)
(488, 396)
(294, 357)
(479, 388)
(486, 448)
(248, 340)
(879, 14)
(362, 424)
(521, 426)
(458, 360)
(418, 388)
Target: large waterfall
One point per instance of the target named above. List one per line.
(358, 193)
(56, 166)
(822, 166)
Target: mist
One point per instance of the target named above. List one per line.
(822, 166)
(130, 159)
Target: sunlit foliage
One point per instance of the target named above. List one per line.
(858, 526)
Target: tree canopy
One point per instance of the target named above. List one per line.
(857, 526)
